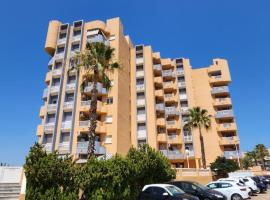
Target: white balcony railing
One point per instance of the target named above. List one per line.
(173, 155)
(70, 87)
(85, 103)
(141, 117)
(139, 73)
(231, 154)
(141, 134)
(182, 96)
(47, 147)
(166, 73)
(179, 72)
(157, 67)
(63, 147)
(66, 125)
(51, 107)
(59, 56)
(181, 84)
(224, 113)
(49, 126)
(61, 41)
(220, 89)
(82, 148)
(188, 138)
(85, 123)
(160, 106)
(139, 61)
(45, 93)
(54, 89)
(140, 102)
(171, 111)
(140, 87)
(68, 105)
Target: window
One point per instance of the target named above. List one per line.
(75, 47)
(109, 100)
(140, 95)
(182, 91)
(141, 126)
(53, 99)
(179, 61)
(158, 190)
(62, 35)
(213, 186)
(48, 138)
(64, 137)
(141, 111)
(141, 142)
(50, 118)
(64, 27)
(60, 49)
(139, 48)
(140, 81)
(181, 79)
(225, 185)
(71, 79)
(67, 116)
(148, 190)
(76, 32)
(55, 81)
(109, 119)
(69, 97)
(139, 55)
(108, 139)
(184, 103)
(57, 65)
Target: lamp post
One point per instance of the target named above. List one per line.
(187, 153)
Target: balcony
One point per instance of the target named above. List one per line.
(139, 61)
(49, 127)
(84, 126)
(184, 110)
(76, 38)
(98, 38)
(51, 108)
(170, 98)
(82, 148)
(174, 139)
(157, 67)
(89, 88)
(47, 147)
(229, 140)
(160, 107)
(45, 93)
(42, 112)
(68, 106)
(139, 73)
(183, 96)
(231, 154)
(59, 56)
(54, 89)
(222, 102)
(66, 125)
(159, 93)
(168, 73)
(141, 117)
(140, 88)
(141, 134)
(173, 155)
(188, 139)
(168, 86)
(162, 137)
(61, 41)
(63, 148)
(181, 84)
(224, 114)
(70, 87)
(48, 77)
(229, 127)
(180, 72)
(140, 102)
(172, 125)
(161, 122)
(220, 90)
(171, 111)
(218, 79)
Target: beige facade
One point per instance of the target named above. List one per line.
(148, 102)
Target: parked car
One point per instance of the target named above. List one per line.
(231, 189)
(241, 182)
(247, 181)
(265, 180)
(164, 192)
(261, 186)
(201, 191)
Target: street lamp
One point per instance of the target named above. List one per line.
(187, 153)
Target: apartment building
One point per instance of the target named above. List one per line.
(148, 102)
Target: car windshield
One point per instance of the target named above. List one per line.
(175, 191)
(201, 186)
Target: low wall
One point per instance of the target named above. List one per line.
(202, 176)
(10, 174)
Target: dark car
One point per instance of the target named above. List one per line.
(261, 186)
(196, 189)
(265, 180)
(164, 192)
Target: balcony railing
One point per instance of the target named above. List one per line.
(139, 60)
(141, 117)
(181, 84)
(184, 110)
(173, 155)
(221, 89)
(63, 147)
(59, 56)
(66, 125)
(172, 137)
(188, 138)
(166, 73)
(76, 37)
(62, 41)
(56, 72)
(68, 105)
(179, 72)
(182, 96)
(172, 122)
(85, 103)
(90, 87)
(231, 154)
(82, 148)
(224, 114)
(171, 111)
(70, 87)
(141, 134)
(140, 102)
(49, 126)
(47, 147)
(140, 87)
(98, 38)
(54, 89)
(51, 107)
(160, 107)
(45, 93)
(157, 67)
(85, 123)
(140, 73)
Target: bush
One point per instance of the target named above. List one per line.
(50, 177)
(223, 166)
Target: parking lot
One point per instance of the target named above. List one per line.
(264, 196)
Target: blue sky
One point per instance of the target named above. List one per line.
(200, 30)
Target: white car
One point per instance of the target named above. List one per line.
(231, 189)
(251, 184)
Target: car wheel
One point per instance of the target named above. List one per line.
(259, 190)
(251, 192)
(236, 197)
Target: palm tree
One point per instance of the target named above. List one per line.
(199, 118)
(261, 153)
(96, 60)
(253, 155)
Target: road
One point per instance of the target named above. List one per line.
(264, 196)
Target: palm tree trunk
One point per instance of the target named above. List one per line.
(202, 148)
(93, 121)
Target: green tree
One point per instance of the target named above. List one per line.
(247, 161)
(223, 166)
(150, 166)
(49, 176)
(199, 118)
(253, 156)
(261, 153)
(95, 61)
